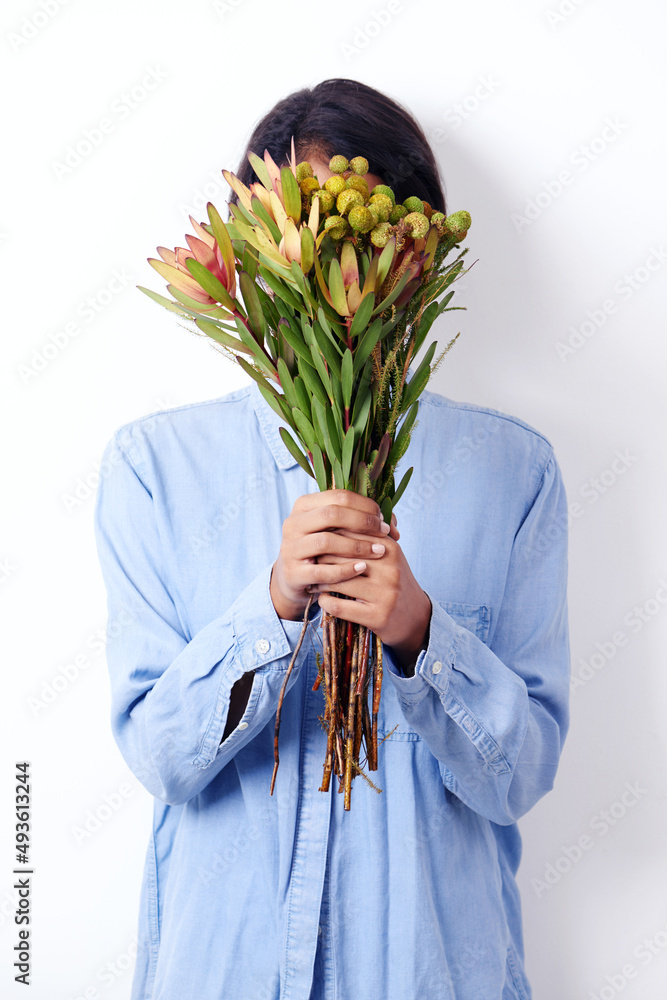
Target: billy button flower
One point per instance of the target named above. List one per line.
(338, 164)
(418, 223)
(347, 199)
(361, 219)
(359, 165)
(303, 170)
(386, 190)
(383, 204)
(397, 213)
(357, 183)
(335, 185)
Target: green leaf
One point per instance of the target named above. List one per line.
(259, 166)
(304, 427)
(193, 306)
(334, 432)
(367, 343)
(384, 263)
(321, 371)
(257, 376)
(362, 317)
(401, 486)
(330, 352)
(348, 450)
(295, 451)
(337, 288)
(269, 221)
(210, 284)
(291, 194)
(302, 397)
(252, 304)
(249, 262)
(320, 470)
(280, 289)
(360, 418)
(347, 377)
(326, 324)
(313, 384)
(393, 294)
(338, 474)
(257, 351)
(387, 508)
(286, 383)
(320, 414)
(397, 449)
(307, 249)
(362, 481)
(295, 342)
(227, 339)
(277, 404)
(162, 301)
(417, 383)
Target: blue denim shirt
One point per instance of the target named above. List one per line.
(411, 895)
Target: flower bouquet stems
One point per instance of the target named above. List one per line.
(327, 293)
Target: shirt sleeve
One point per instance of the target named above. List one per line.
(170, 696)
(496, 716)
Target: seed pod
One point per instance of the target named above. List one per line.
(308, 185)
(347, 199)
(326, 199)
(384, 189)
(336, 227)
(418, 224)
(397, 213)
(381, 234)
(338, 164)
(428, 211)
(436, 217)
(359, 165)
(414, 204)
(303, 170)
(335, 185)
(361, 219)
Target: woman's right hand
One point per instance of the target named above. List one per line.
(310, 531)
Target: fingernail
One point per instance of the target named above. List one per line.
(360, 566)
(378, 549)
(385, 528)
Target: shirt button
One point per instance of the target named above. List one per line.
(262, 645)
(243, 725)
(319, 929)
(437, 667)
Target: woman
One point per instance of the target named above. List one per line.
(214, 539)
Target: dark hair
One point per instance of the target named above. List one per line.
(349, 118)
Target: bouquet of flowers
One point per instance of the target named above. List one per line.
(327, 292)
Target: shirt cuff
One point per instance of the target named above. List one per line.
(434, 664)
(261, 636)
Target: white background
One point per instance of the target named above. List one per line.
(511, 94)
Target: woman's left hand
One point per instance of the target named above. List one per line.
(386, 598)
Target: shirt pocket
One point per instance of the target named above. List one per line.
(392, 724)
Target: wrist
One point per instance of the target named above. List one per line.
(285, 609)
(407, 653)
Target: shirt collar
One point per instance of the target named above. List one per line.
(269, 421)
